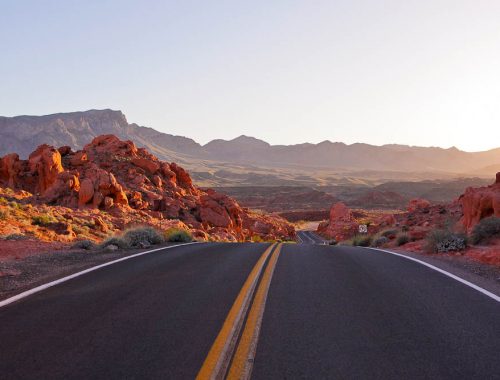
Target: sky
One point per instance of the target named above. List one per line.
(414, 72)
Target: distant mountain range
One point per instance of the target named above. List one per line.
(247, 159)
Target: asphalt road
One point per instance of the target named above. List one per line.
(309, 237)
(329, 313)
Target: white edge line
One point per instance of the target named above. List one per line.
(459, 279)
(78, 274)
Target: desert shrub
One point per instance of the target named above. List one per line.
(78, 230)
(143, 236)
(3, 201)
(390, 234)
(405, 228)
(402, 239)
(178, 235)
(380, 241)
(486, 229)
(16, 237)
(42, 220)
(15, 205)
(84, 244)
(115, 240)
(362, 240)
(441, 241)
(332, 242)
(256, 239)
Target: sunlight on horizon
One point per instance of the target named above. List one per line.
(423, 73)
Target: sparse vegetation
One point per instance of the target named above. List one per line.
(389, 234)
(257, 239)
(143, 236)
(332, 242)
(15, 237)
(380, 241)
(402, 239)
(362, 240)
(178, 235)
(84, 244)
(4, 214)
(15, 205)
(486, 230)
(140, 237)
(42, 220)
(444, 240)
(117, 241)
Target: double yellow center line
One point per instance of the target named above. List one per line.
(232, 355)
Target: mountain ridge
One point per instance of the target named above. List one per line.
(24, 133)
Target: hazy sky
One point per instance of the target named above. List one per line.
(423, 72)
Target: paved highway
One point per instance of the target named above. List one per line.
(309, 237)
(254, 310)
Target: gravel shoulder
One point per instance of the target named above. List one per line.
(19, 275)
(484, 275)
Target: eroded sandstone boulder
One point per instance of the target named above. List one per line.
(481, 202)
(135, 187)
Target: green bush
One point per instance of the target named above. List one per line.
(362, 240)
(42, 220)
(486, 229)
(442, 241)
(178, 235)
(402, 239)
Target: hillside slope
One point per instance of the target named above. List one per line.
(220, 161)
(125, 185)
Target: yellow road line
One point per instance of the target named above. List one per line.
(241, 367)
(219, 356)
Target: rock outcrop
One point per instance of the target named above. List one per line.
(116, 176)
(479, 203)
(418, 204)
(341, 224)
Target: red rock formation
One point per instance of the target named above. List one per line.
(418, 204)
(341, 224)
(479, 203)
(116, 176)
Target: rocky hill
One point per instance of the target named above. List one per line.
(444, 224)
(123, 185)
(300, 162)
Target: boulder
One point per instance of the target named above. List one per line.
(479, 203)
(418, 205)
(86, 193)
(79, 158)
(150, 167)
(45, 164)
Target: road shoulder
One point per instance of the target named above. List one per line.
(482, 275)
(17, 276)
